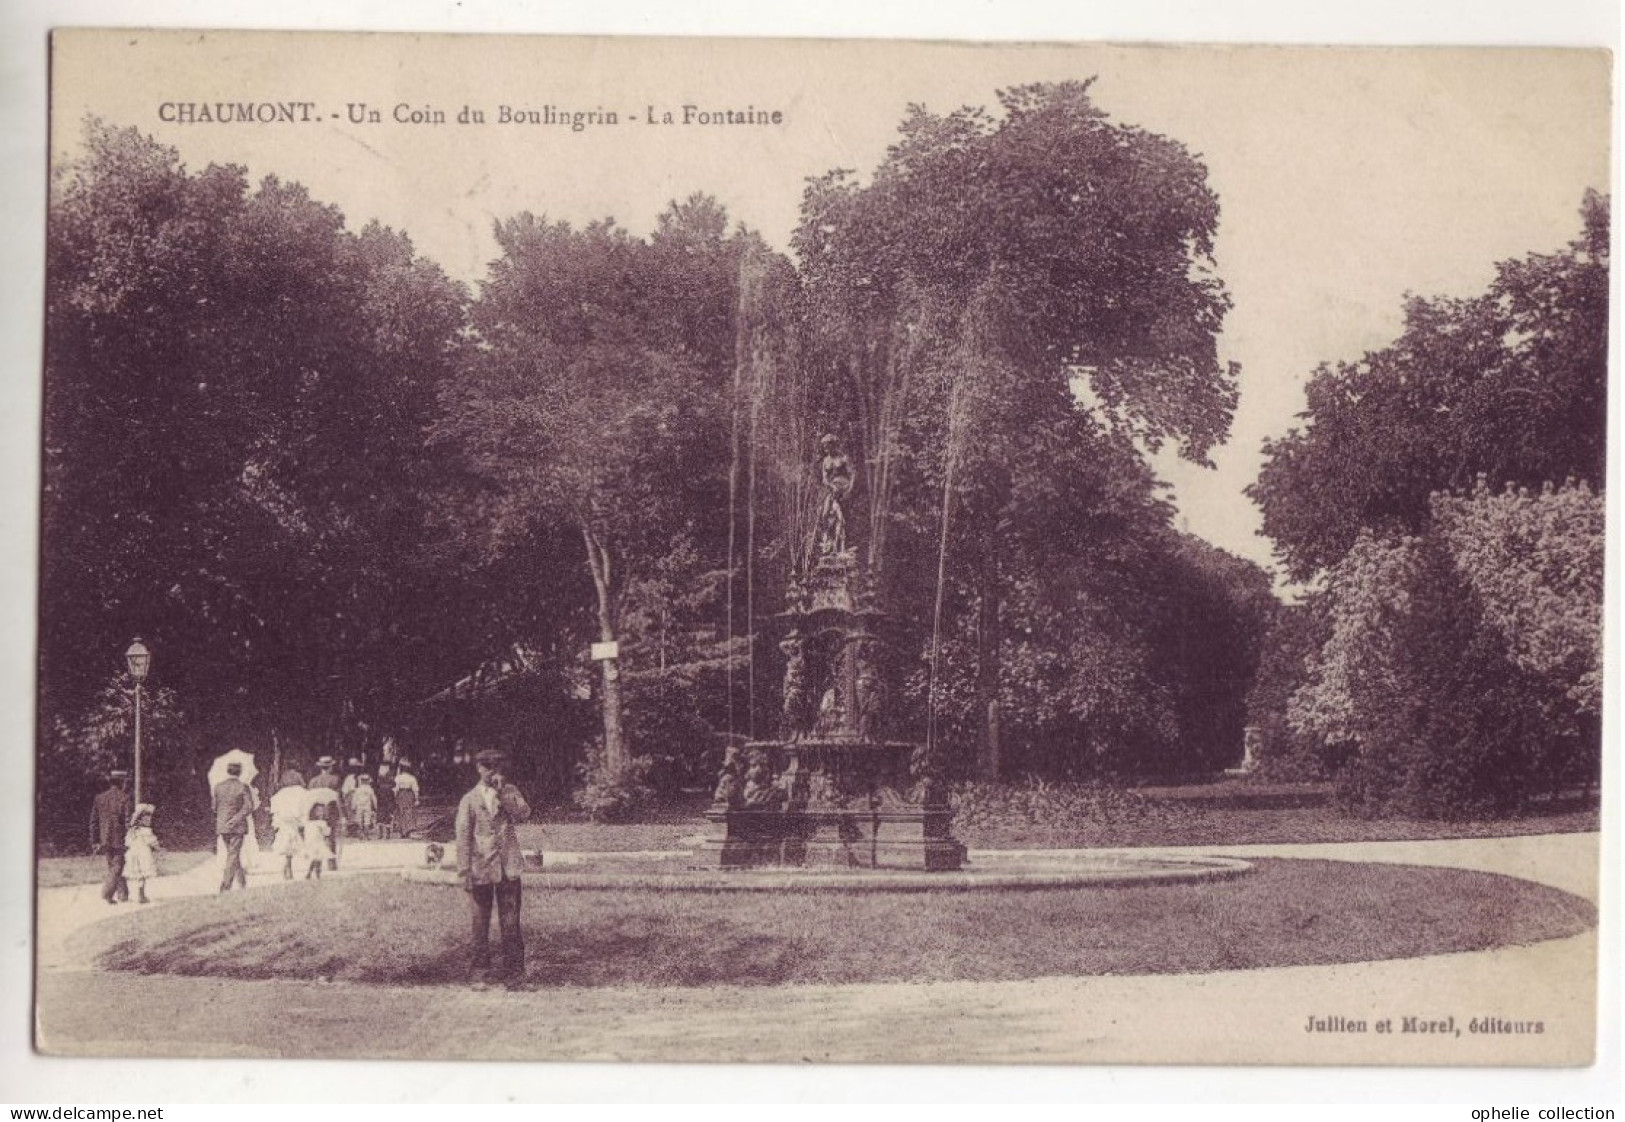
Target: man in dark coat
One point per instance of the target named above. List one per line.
(327, 779)
(109, 821)
(385, 790)
(233, 805)
(489, 862)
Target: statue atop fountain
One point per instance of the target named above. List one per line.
(835, 788)
(829, 532)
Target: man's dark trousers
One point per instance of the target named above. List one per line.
(234, 862)
(505, 894)
(115, 887)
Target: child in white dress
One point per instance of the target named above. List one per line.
(141, 850)
(288, 807)
(318, 841)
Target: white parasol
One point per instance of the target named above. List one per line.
(217, 776)
(217, 770)
(324, 795)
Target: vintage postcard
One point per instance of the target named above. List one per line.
(701, 550)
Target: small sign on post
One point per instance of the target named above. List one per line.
(603, 652)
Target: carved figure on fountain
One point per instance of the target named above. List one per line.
(731, 779)
(831, 713)
(869, 697)
(797, 710)
(823, 793)
(762, 790)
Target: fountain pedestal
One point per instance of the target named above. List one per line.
(833, 790)
(836, 804)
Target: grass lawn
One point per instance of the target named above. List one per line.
(1176, 823)
(1142, 821)
(1217, 814)
(385, 930)
(545, 833)
(60, 872)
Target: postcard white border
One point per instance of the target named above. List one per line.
(27, 1078)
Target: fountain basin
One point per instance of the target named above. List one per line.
(1114, 870)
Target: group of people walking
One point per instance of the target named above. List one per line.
(303, 832)
(311, 820)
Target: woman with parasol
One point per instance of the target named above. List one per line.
(288, 808)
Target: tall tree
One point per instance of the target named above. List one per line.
(597, 402)
(237, 390)
(1509, 385)
(1424, 699)
(1462, 583)
(1042, 270)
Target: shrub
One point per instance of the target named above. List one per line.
(1287, 756)
(75, 755)
(610, 794)
(681, 745)
(1296, 634)
(1420, 692)
(1038, 806)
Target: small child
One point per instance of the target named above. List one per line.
(141, 850)
(318, 841)
(363, 802)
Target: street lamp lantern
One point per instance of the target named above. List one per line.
(139, 660)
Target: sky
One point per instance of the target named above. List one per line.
(1347, 178)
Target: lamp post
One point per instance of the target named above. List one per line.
(139, 660)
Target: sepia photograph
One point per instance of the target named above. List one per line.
(782, 551)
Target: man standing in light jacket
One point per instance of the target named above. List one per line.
(489, 862)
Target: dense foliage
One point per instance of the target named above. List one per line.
(342, 498)
(1508, 385)
(1008, 313)
(1444, 494)
(597, 405)
(236, 395)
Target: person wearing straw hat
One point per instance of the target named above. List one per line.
(489, 862)
(352, 772)
(233, 806)
(109, 823)
(141, 845)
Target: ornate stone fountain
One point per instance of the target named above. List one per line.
(833, 790)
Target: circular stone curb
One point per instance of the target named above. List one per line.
(1104, 872)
